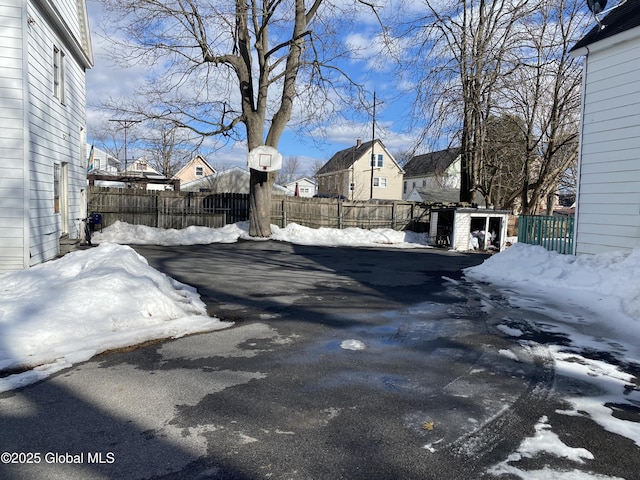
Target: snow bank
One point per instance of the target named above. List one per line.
(592, 279)
(65, 311)
(127, 234)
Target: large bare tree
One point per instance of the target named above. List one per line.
(229, 68)
(465, 47)
(544, 91)
(483, 60)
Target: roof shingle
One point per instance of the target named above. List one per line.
(618, 20)
(433, 163)
(343, 159)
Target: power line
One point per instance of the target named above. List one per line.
(125, 123)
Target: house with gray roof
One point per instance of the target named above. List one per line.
(361, 172)
(433, 177)
(232, 180)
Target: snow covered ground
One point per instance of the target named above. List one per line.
(67, 310)
(592, 305)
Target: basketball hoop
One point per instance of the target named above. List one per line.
(265, 159)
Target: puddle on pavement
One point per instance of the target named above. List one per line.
(398, 333)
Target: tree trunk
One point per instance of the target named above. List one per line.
(260, 184)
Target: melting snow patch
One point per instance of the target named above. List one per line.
(352, 345)
(514, 332)
(610, 381)
(508, 353)
(546, 442)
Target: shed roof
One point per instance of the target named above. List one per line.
(618, 20)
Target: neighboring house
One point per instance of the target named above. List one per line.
(433, 177)
(141, 167)
(195, 169)
(45, 49)
(306, 187)
(233, 180)
(150, 178)
(350, 174)
(100, 162)
(608, 201)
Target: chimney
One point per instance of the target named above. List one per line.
(358, 142)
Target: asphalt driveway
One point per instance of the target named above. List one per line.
(354, 363)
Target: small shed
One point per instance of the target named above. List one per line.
(465, 228)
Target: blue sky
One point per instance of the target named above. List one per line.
(106, 80)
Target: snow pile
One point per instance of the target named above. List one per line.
(126, 234)
(592, 304)
(604, 285)
(351, 237)
(66, 311)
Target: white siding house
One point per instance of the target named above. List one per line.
(608, 202)
(306, 187)
(433, 177)
(44, 52)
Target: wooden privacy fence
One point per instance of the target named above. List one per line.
(335, 213)
(182, 209)
(552, 233)
(154, 208)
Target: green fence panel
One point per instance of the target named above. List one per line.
(552, 233)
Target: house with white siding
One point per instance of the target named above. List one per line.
(305, 187)
(608, 198)
(101, 162)
(45, 50)
(433, 177)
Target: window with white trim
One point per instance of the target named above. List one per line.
(380, 182)
(377, 160)
(56, 188)
(58, 74)
(199, 171)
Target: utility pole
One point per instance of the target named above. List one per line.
(126, 123)
(373, 143)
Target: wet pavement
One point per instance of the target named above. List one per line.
(354, 363)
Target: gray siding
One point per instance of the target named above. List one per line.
(13, 181)
(55, 137)
(39, 132)
(609, 194)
